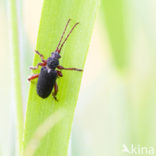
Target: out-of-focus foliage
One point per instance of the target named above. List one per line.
(15, 67)
(114, 16)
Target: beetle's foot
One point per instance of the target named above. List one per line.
(33, 77)
(54, 96)
(32, 68)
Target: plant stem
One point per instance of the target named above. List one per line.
(15, 64)
(54, 17)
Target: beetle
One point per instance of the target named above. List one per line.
(48, 73)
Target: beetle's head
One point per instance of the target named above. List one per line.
(55, 55)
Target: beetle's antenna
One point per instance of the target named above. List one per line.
(62, 35)
(68, 36)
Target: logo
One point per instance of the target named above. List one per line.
(138, 150)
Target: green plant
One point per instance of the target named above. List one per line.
(53, 19)
(113, 13)
(15, 64)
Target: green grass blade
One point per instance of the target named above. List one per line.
(15, 64)
(114, 16)
(42, 130)
(53, 19)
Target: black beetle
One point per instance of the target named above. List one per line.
(48, 74)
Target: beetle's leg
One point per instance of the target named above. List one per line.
(59, 73)
(55, 91)
(41, 56)
(76, 69)
(33, 77)
(39, 64)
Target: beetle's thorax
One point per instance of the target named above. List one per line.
(53, 61)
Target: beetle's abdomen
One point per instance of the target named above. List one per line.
(46, 81)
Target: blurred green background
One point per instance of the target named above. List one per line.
(117, 99)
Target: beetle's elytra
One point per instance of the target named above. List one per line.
(48, 73)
